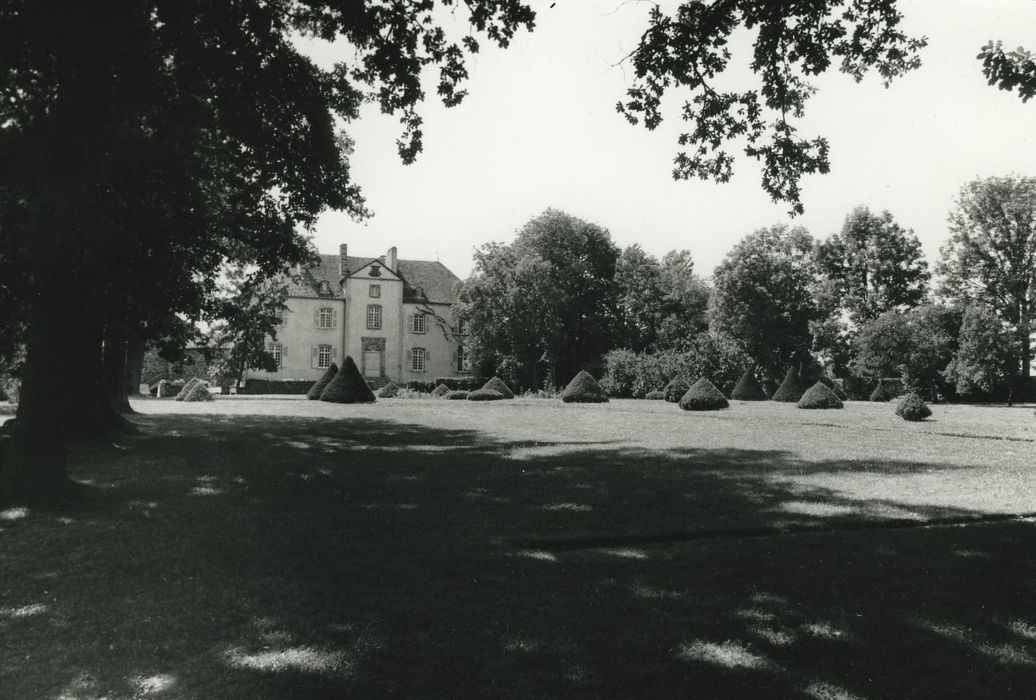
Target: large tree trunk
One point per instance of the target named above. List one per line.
(134, 362)
(114, 358)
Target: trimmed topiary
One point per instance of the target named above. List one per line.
(317, 389)
(499, 386)
(199, 393)
(348, 386)
(820, 395)
(485, 395)
(880, 393)
(457, 395)
(791, 389)
(656, 395)
(191, 383)
(748, 388)
(912, 408)
(440, 391)
(675, 389)
(584, 389)
(389, 391)
(703, 396)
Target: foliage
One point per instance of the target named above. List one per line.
(660, 304)
(675, 389)
(990, 258)
(584, 389)
(348, 386)
(767, 293)
(1009, 69)
(499, 386)
(440, 391)
(457, 395)
(389, 391)
(485, 395)
(629, 374)
(199, 392)
(875, 265)
(987, 358)
(791, 389)
(703, 396)
(318, 388)
(655, 395)
(689, 51)
(880, 394)
(748, 388)
(912, 408)
(820, 396)
(188, 388)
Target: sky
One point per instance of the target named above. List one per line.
(539, 129)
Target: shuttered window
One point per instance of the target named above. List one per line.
(375, 291)
(325, 317)
(417, 359)
(323, 356)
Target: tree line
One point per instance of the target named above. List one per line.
(562, 295)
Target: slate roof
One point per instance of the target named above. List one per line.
(432, 277)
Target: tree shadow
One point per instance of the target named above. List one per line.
(254, 556)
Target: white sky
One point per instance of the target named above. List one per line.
(539, 129)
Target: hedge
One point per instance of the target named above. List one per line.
(271, 386)
(748, 388)
(348, 386)
(440, 391)
(629, 374)
(485, 395)
(819, 395)
(389, 391)
(318, 388)
(791, 389)
(498, 385)
(912, 408)
(703, 396)
(584, 389)
(457, 395)
(675, 389)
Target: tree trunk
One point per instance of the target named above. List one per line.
(134, 363)
(114, 361)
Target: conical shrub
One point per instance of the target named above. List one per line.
(703, 396)
(584, 389)
(819, 395)
(500, 386)
(791, 389)
(458, 395)
(317, 389)
(191, 383)
(348, 386)
(655, 395)
(880, 393)
(389, 391)
(912, 408)
(485, 394)
(199, 393)
(675, 389)
(440, 391)
(748, 388)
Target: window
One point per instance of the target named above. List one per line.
(325, 288)
(375, 291)
(463, 359)
(323, 356)
(324, 317)
(277, 350)
(374, 316)
(418, 325)
(462, 325)
(418, 357)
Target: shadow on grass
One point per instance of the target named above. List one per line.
(282, 557)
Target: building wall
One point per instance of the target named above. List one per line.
(300, 335)
(440, 344)
(357, 294)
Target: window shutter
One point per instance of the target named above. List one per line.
(334, 352)
(410, 322)
(316, 317)
(313, 357)
(284, 351)
(427, 356)
(410, 358)
(334, 318)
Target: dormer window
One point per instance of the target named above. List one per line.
(325, 288)
(375, 271)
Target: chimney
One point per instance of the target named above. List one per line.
(390, 259)
(343, 260)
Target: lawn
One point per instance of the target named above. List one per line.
(282, 548)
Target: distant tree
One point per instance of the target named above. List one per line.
(545, 304)
(875, 265)
(685, 301)
(661, 305)
(990, 258)
(987, 358)
(766, 296)
(1009, 70)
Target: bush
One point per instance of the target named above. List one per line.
(187, 388)
(880, 393)
(283, 387)
(584, 389)
(389, 391)
(703, 396)
(675, 389)
(820, 395)
(418, 386)
(348, 386)
(656, 395)
(457, 395)
(461, 383)
(440, 391)
(791, 389)
(199, 392)
(748, 388)
(498, 385)
(317, 389)
(912, 408)
(485, 395)
(405, 393)
(629, 374)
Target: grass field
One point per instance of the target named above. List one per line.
(280, 548)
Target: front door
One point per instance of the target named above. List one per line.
(372, 363)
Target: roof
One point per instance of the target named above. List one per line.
(432, 277)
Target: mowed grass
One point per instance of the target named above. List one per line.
(281, 548)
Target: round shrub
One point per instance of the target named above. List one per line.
(485, 395)
(791, 389)
(389, 391)
(440, 391)
(703, 396)
(199, 393)
(583, 389)
(500, 386)
(819, 396)
(348, 386)
(656, 395)
(317, 389)
(912, 407)
(457, 395)
(748, 388)
(880, 393)
(675, 389)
